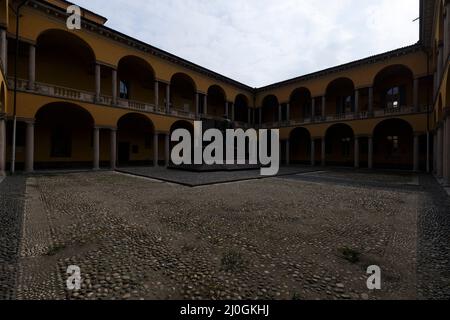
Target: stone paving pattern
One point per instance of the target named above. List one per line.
(275, 238)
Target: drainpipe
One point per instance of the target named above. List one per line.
(13, 149)
(428, 115)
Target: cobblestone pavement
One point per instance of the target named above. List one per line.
(276, 238)
(11, 207)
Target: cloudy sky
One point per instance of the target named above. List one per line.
(259, 42)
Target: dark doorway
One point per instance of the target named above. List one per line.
(124, 152)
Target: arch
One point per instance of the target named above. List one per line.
(393, 144)
(63, 136)
(217, 100)
(300, 103)
(135, 140)
(269, 109)
(339, 145)
(300, 146)
(340, 96)
(241, 108)
(135, 79)
(393, 87)
(60, 53)
(183, 92)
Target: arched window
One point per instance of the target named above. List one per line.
(395, 97)
(124, 90)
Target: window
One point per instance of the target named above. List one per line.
(124, 90)
(394, 144)
(395, 97)
(344, 105)
(61, 143)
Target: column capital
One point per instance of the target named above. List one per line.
(162, 133)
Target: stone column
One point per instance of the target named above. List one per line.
(356, 152)
(370, 153)
(313, 109)
(167, 149)
(205, 104)
(288, 112)
(4, 50)
(97, 81)
(168, 98)
(155, 149)
(324, 152)
(233, 112)
(96, 164)
(440, 152)
(156, 94)
(288, 152)
(31, 66)
(324, 105)
(447, 154)
(197, 105)
(356, 101)
(439, 64)
(113, 149)
(226, 110)
(280, 113)
(370, 108)
(313, 152)
(416, 152)
(249, 116)
(260, 116)
(435, 152)
(114, 86)
(2, 146)
(416, 95)
(29, 147)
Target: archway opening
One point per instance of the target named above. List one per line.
(63, 137)
(270, 109)
(393, 145)
(393, 88)
(216, 102)
(300, 146)
(135, 140)
(183, 91)
(339, 145)
(241, 108)
(136, 80)
(64, 59)
(300, 104)
(340, 97)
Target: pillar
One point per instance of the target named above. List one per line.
(96, 137)
(97, 82)
(313, 109)
(260, 116)
(324, 104)
(416, 152)
(168, 98)
(155, 149)
(416, 95)
(233, 112)
(440, 152)
(2, 146)
(205, 104)
(113, 149)
(447, 154)
(370, 153)
(31, 67)
(249, 116)
(226, 110)
(167, 149)
(370, 108)
(288, 152)
(439, 64)
(288, 112)
(197, 105)
(156, 94)
(435, 151)
(313, 152)
(280, 113)
(356, 152)
(324, 152)
(114, 86)
(357, 101)
(29, 147)
(4, 50)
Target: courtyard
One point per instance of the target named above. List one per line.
(302, 235)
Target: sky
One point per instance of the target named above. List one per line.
(260, 42)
